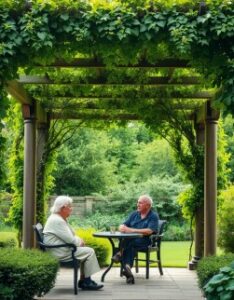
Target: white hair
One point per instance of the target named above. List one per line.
(59, 202)
(147, 198)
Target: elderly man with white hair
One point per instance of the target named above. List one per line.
(57, 231)
(145, 221)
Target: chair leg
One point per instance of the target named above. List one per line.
(159, 262)
(75, 277)
(147, 257)
(136, 263)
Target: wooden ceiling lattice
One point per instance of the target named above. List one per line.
(65, 98)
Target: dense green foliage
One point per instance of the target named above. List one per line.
(209, 266)
(26, 273)
(14, 130)
(228, 128)
(8, 240)
(82, 164)
(220, 286)
(41, 31)
(226, 220)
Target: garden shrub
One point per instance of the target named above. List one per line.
(210, 266)
(101, 246)
(26, 273)
(175, 232)
(98, 220)
(226, 221)
(8, 239)
(221, 286)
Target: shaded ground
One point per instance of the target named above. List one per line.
(175, 284)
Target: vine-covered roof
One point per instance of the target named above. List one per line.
(118, 59)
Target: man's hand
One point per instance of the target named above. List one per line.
(125, 229)
(82, 243)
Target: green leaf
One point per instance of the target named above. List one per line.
(143, 28)
(64, 17)
(41, 35)
(135, 31)
(161, 24)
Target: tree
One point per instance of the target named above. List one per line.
(82, 165)
(154, 159)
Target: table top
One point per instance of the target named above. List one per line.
(117, 234)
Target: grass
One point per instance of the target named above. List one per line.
(175, 254)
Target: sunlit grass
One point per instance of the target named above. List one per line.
(176, 254)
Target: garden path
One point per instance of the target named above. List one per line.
(175, 284)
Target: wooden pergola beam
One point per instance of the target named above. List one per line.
(93, 63)
(183, 80)
(203, 95)
(16, 90)
(116, 106)
(86, 116)
(102, 116)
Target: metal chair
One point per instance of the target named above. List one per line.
(73, 263)
(155, 246)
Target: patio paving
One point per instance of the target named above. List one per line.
(175, 284)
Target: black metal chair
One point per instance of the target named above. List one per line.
(73, 263)
(155, 246)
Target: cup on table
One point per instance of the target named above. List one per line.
(112, 228)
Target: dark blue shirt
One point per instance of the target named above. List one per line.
(150, 221)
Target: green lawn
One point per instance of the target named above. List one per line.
(175, 254)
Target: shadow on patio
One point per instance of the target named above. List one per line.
(175, 284)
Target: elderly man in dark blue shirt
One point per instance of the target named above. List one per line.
(144, 221)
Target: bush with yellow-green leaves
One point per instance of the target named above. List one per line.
(101, 246)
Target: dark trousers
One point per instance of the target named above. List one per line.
(129, 249)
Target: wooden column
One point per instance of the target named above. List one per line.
(199, 216)
(29, 193)
(210, 182)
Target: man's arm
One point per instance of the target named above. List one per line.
(126, 229)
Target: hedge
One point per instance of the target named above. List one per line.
(210, 266)
(101, 246)
(8, 239)
(26, 273)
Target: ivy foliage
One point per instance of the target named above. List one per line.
(120, 32)
(14, 127)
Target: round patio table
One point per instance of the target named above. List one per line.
(111, 236)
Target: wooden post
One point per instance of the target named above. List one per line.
(210, 182)
(29, 192)
(199, 215)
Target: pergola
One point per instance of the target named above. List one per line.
(87, 86)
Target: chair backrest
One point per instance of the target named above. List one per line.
(38, 228)
(161, 225)
(155, 239)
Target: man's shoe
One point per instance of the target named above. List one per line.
(80, 282)
(91, 286)
(128, 273)
(116, 258)
(130, 280)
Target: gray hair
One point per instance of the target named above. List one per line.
(147, 199)
(59, 202)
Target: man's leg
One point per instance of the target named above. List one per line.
(89, 266)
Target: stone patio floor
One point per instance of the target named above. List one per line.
(175, 284)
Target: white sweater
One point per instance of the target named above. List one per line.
(57, 231)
